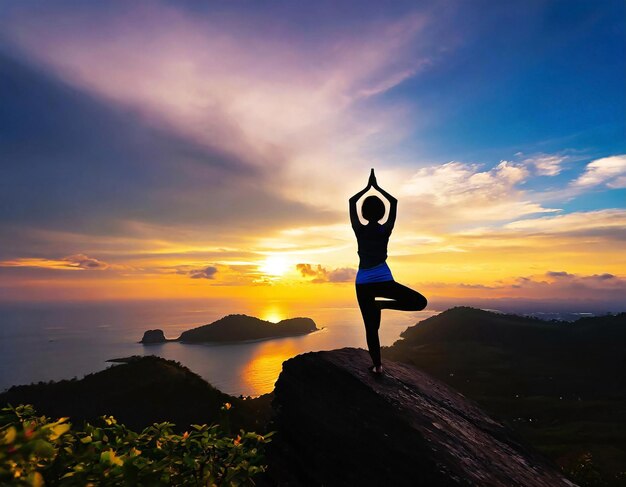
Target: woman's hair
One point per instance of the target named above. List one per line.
(373, 208)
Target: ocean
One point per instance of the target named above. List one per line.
(54, 341)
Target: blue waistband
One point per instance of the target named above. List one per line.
(379, 273)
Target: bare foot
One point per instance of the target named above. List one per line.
(376, 369)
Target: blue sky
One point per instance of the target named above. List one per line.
(544, 80)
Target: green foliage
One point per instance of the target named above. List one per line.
(586, 473)
(36, 451)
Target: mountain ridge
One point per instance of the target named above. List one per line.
(139, 391)
(561, 385)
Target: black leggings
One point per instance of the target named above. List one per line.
(402, 298)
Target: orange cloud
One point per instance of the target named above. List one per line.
(560, 286)
(206, 273)
(71, 262)
(321, 274)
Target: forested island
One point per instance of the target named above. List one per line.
(236, 328)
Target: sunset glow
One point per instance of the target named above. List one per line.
(255, 224)
(267, 363)
(274, 265)
(273, 313)
(209, 151)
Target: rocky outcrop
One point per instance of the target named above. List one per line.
(338, 424)
(153, 336)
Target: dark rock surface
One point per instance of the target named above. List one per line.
(338, 424)
(242, 327)
(153, 336)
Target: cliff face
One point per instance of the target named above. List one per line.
(338, 424)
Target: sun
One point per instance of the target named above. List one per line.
(273, 316)
(274, 265)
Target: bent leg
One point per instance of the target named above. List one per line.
(371, 318)
(403, 298)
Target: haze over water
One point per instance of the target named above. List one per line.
(61, 341)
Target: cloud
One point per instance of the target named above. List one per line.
(608, 171)
(230, 274)
(83, 262)
(321, 274)
(254, 86)
(546, 164)
(71, 262)
(97, 171)
(456, 182)
(226, 127)
(563, 284)
(609, 223)
(307, 270)
(457, 192)
(559, 274)
(205, 273)
(552, 285)
(343, 274)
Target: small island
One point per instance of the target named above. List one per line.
(154, 336)
(236, 328)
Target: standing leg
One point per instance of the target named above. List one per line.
(403, 298)
(371, 318)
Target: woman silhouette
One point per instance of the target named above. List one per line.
(374, 277)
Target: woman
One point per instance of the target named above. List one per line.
(374, 277)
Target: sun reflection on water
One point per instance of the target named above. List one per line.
(263, 368)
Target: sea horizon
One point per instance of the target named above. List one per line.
(57, 341)
(45, 341)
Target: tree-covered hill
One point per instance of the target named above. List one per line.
(139, 392)
(561, 384)
(243, 327)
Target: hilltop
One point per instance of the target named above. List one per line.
(139, 392)
(562, 385)
(338, 424)
(584, 357)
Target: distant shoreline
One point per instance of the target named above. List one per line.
(234, 342)
(235, 328)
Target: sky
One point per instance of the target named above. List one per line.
(208, 149)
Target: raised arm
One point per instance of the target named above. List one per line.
(354, 216)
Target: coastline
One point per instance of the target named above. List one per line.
(233, 342)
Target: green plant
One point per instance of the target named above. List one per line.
(586, 473)
(36, 451)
